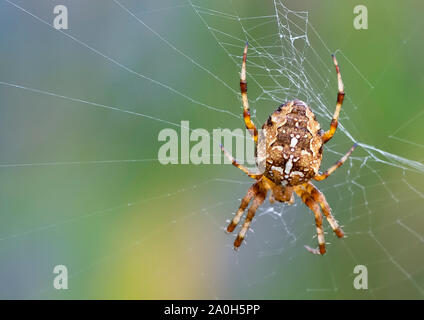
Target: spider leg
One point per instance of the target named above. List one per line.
(257, 201)
(320, 198)
(271, 198)
(251, 192)
(243, 88)
(340, 96)
(238, 165)
(313, 205)
(333, 168)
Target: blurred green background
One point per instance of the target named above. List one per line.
(80, 184)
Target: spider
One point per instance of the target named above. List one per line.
(293, 145)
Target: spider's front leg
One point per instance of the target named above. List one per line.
(314, 206)
(258, 192)
(271, 198)
(253, 190)
(320, 198)
(257, 201)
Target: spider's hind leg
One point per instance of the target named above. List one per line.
(246, 110)
(340, 97)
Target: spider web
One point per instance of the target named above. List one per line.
(376, 195)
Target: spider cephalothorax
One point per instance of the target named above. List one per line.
(293, 142)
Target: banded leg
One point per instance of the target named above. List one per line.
(257, 201)
(340, 96)
(313, 205)
(243, 88)
(238, 165)
(244, 203)
(333, 168)
(320, 198)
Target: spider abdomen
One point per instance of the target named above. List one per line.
(293, 144)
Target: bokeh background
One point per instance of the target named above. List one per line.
(81, 186)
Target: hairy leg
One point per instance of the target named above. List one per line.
(243, 88)
(335, 166)
(238, 165)
(257, 201)
(320, 198)
(251, 192)
(340, 96)
(313, 205)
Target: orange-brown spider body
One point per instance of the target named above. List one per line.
(293, 141)
(292, 153)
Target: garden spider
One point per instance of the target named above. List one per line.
(293, 145)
